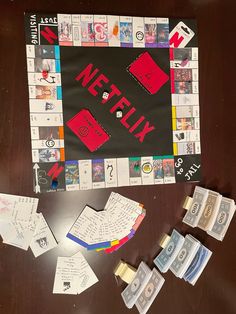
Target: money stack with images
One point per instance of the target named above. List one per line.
(143, 287)
(209, 211)
(185, 256)
(110, 228)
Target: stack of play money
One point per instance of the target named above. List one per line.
(185, 257)
(110, 228)
(143, 289)
(209, 211)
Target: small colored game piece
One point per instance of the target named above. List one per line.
(54, 183)
(45, 74)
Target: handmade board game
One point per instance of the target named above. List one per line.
(113, 100)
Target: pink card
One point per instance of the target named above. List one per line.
(88, 130)
(148, 73)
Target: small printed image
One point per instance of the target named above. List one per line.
(183, 87)
(87, 32)
(185, 123)
(183, 75)
(65, 28)
(187, 148)
(46, 92)
(66, 285)
(98, 172)
(182, 53)
(45, 52)
(180, 136)
(150, 33)
(100, 32)
(49, 155)
(44, 65)
(134, 168)
(48, 133)
(126, 32)
(169, 167)
(158, 169)
(163, 35)
(42, 242)
(72, 172)
(147, 167)
(114, 31)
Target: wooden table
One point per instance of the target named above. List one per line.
(26, 282)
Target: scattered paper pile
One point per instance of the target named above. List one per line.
(73, 275)
(110, 228)
(209, 211)
(185, 256)
(22, 226)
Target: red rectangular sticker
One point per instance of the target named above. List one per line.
(148, 73)
(88, 130)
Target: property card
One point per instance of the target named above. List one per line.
(76, 30)
(198, 265)
(126, 31)
(110, 172)
(147, 171)
(223, 219)
(85, 173)
(87, 30)
(64, 29)
(185, 256)
(67, 275)
(193, 215)
(150, 292)
(100, 30)
(168, 254)
(185, 99)
(42, 106)
(210, 211)
(180, 35)
(87, 277)
(123, 171)
(138, 32)
(88, 130)
(113, 30)
(43, 239)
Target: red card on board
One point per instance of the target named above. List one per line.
(88, 130)
(148, 73)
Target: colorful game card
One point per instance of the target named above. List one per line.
(148, 73)
(100, 30)
(126, 31)
(113, 30)
(87, 30)
(88, 130)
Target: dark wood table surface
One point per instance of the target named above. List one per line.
(25, 282)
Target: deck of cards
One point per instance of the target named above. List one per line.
(110, 228)
(143, 288)
(185, 256)
(209, 211)
(22, 226)
(73, 275)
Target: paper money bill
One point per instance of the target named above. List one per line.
(166, 257)
(223, 219)
(198, 264)
(150, 292)
(210, 211)
(193, 215)
(135, 288)
(185, 256)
